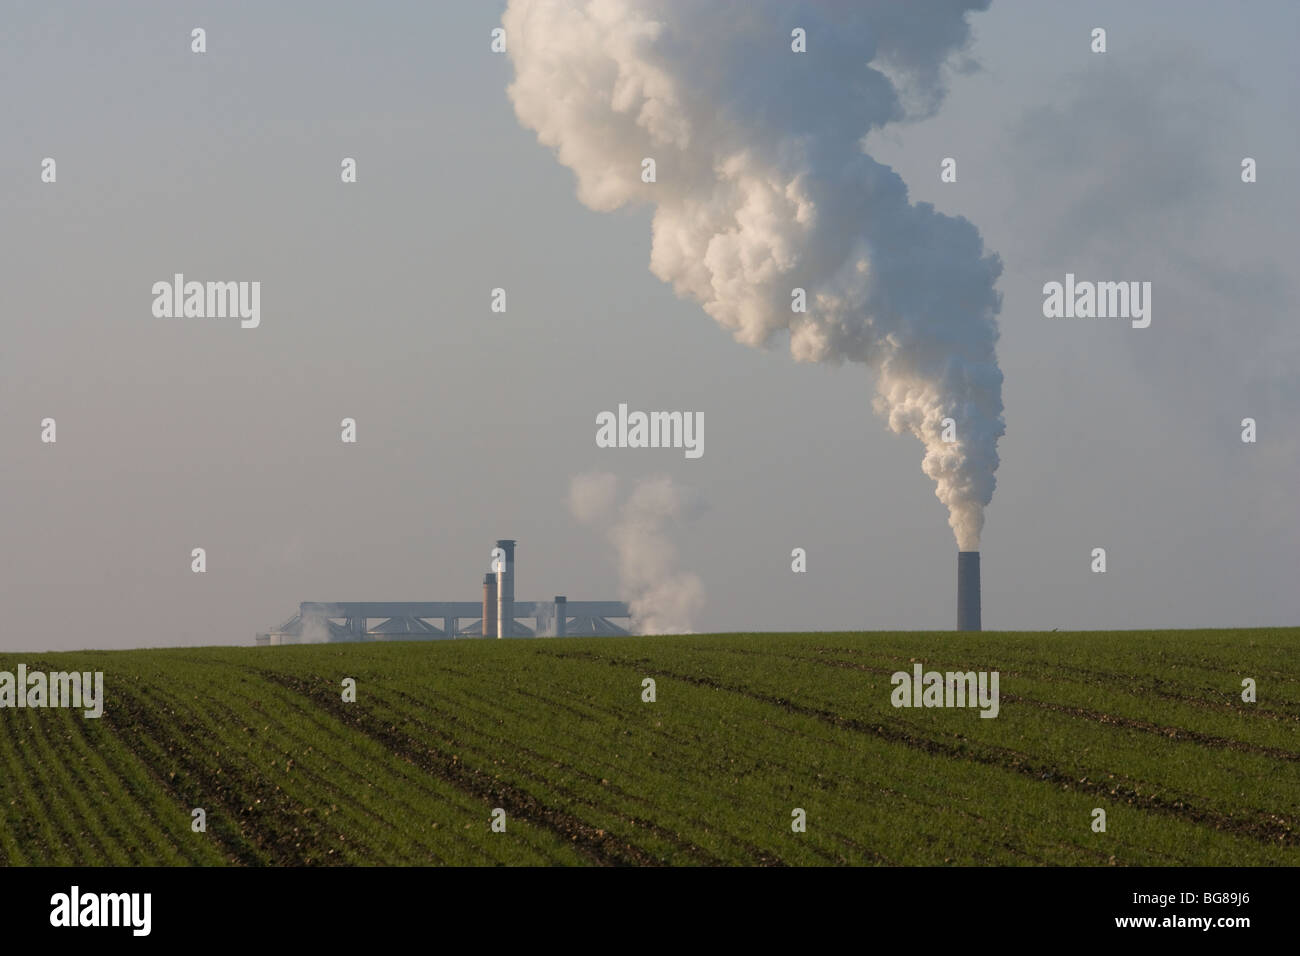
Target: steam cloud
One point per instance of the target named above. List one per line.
(763, 186)
(315, 630)
(662, 599)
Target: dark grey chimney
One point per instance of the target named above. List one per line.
(489, 605)
(968, 590)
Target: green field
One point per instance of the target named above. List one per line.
(1149, 726)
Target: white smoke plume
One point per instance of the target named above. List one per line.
(762, 186)
(662, 598)
(315, 630)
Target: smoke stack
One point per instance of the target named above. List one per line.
(968, 590)
(501, 604)
(489, 605)
(506, 594)
(561, 614)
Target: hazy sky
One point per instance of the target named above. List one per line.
(183, 433)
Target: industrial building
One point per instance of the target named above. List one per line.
(498, 614)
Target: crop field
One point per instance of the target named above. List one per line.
(744, 728)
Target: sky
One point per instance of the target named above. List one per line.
(174, 434)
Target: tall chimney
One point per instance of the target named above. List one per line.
(501, 604)
(968, 590)
(561, 614)
(506, 597)
(489, 605)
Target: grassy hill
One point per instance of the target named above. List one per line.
(1149, 726)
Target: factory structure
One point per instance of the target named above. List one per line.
(497, 615)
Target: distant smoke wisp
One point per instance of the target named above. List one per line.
(762, 187)
(315, 630)
(662, 598)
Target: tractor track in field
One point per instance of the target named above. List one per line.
(1168, 732)
(1267, 828)
(259, 823)
(64, 833)
(1219, 701)
(766, 858)
(596, 845)
(757, 854)
(338, 778)
(127, 834)
(698, 853)
(1213, 699)
(327, 784)
(132, 718)
(1101, 717)
(67, 818)
(452, 718)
